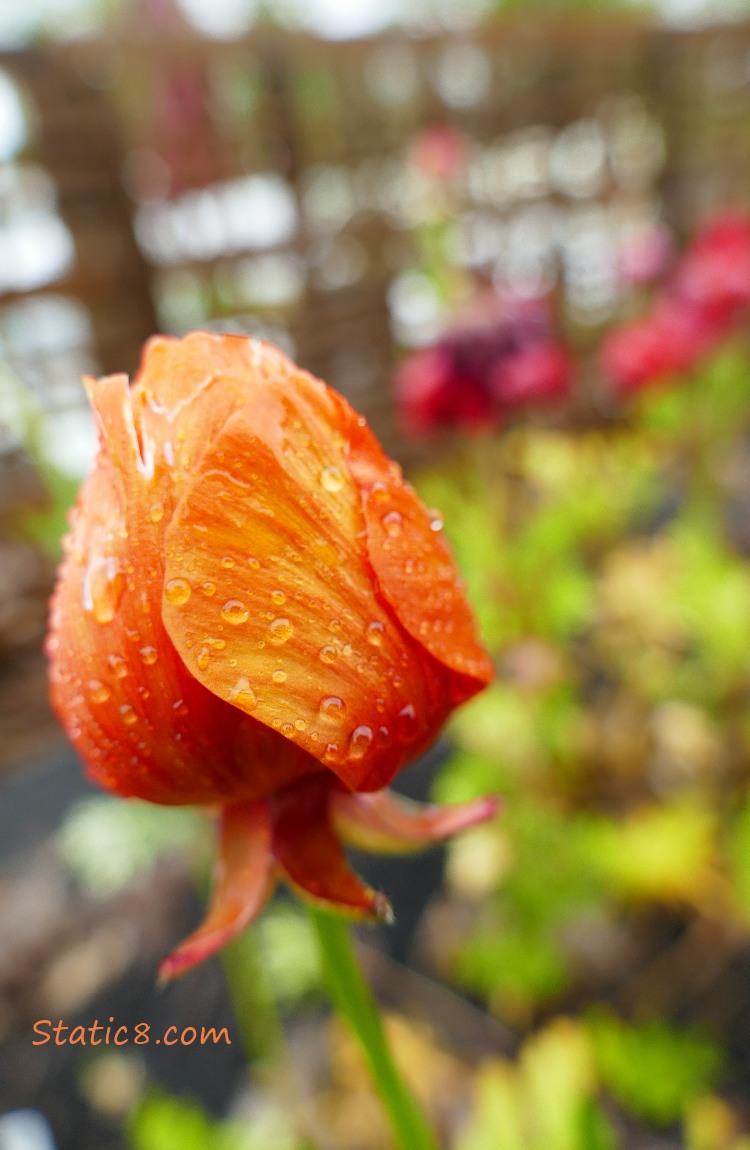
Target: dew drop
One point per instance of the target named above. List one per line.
(156, 512)
(243, 695)
(332, 479)
(332, 753)
(208, 588)
(374, 633)
(392, 524)
(436, 521)
(202, 658)
(278, 597)
(384, 737)
(279, 676)
(332, 707)
(407, 725)
(129, 716)
(280, 630)
(253, 562)
(328, 654)
(98, 692)
(216, 644)
(360, 742)
(227, 562)
(299, 724)
(118, 666)
(103, 585)
(148, 655)
(235, 612)
(178, 591)
(180, 707)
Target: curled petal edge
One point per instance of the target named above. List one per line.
(243, 880)
(312, 858)
(297, 835)
(384, 823)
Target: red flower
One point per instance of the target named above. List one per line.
(661, 345)
(701, 304)
(714, 274)
(255, 613)
(506, 357)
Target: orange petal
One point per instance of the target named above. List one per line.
(414, 565)
(387, 823)
(242, 884)
(312, 857)
(141, 722)
(270, 597)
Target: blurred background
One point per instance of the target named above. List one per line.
(384, 188)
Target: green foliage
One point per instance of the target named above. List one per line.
(106, 842)
(653, 1069)
(162, 1122)
(547, 1101)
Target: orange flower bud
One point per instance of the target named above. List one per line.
(256, 612)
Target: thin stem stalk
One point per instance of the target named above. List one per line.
(353, 1000)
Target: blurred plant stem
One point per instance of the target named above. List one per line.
(354, 1002)
(258, 1020)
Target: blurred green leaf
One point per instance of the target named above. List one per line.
(653, 1069)
(106, 842)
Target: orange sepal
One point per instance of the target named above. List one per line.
(386, 823)
(311, 856)
(243, 881)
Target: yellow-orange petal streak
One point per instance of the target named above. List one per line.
(312, 857)
(384, 822)
(414, 565)
(294, 632)
(242, 883)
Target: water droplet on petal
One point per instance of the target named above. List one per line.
(242, 694)
(360, 742)
(129, 716)
(332, 479)
(253, 562)
(208, 588)
(407, 724)
(180, 707)
(156, 512)
(99, 692)
(328, 654)
(178, 591)
(436, 521)
(103, 585)
(299, 724)
(227, 562)
(202, 658)
(392, 524)
(278, 597)
(374, 633)
(118, 666)
(332, 707)
(279, 676)
(280, 630)
(332, 753)
(148, 655)
(235, 612)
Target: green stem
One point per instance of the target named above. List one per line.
(261, 1031)
(354, 1002)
